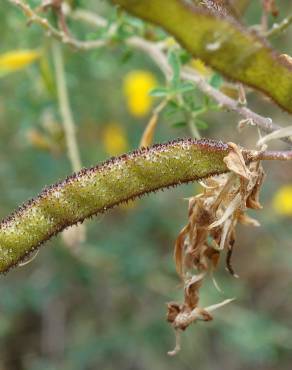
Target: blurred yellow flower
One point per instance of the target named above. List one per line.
(137, 85)
(282, 201)
(17, 59)
(114, 139)
(170, 41)
(201, 67)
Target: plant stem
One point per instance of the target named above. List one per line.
(65, 109)
(270, 155)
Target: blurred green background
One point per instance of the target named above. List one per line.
(105, 307)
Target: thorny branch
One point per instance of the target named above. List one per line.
(156, 53)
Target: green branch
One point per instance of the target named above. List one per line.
(99, 188)
(279, 28)
(222, 43)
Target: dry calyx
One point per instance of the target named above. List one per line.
(212, 219)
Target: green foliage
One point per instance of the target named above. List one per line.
(176, 86)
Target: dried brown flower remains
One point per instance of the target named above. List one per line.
(212, 219)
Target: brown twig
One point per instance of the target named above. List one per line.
(33, 17)
(270, 155)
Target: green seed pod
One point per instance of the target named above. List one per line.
(94, 190)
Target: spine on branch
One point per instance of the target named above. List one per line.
(94, 190)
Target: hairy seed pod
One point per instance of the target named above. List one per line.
(96, 189)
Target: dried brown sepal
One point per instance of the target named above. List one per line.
(252, 200)
(178, 250)
(235, 162)
(192, 287)
(173, 309)
(148, 134)
(212, 219)
(229, 266)
(246, 220)
(185, 317)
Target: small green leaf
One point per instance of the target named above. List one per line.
(185, 87)
(179, 124)
(173, 104)
(174, 62)
(207, 101)
(168, 112)
(198, 109)
(202, 125)
(134, 22)
(159, 92)
(184, 56)
(216, 80)
(172, 108)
